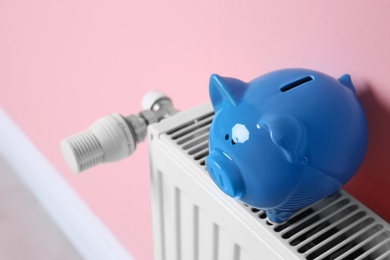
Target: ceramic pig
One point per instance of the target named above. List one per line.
(286, 139)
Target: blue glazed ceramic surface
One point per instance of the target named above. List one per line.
(286, 139)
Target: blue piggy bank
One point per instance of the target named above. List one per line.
(286, 139)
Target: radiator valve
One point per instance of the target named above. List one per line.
(114, 137)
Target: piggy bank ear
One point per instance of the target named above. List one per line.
(347, 82)
(287, 133)
(223, 89)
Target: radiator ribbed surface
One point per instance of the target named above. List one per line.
(188, 231)
(193, 137)
(335, 228)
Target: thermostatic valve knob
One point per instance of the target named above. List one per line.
(114, 137)
(109, 139)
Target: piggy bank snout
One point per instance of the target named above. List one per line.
(225, 173)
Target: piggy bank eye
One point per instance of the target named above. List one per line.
(240, 134)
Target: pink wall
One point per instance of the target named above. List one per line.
(63, 64)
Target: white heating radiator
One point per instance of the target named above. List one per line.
(193, 219)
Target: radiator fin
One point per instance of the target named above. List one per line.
(169, 216)
(193, 136)
(208, 238)
(189, 229)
